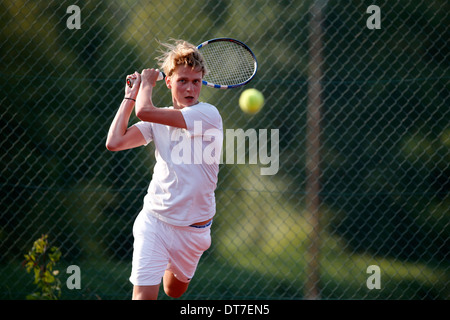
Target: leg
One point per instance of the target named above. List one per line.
(188, 246)
(145, 292)
(172, 286)
(149, 258)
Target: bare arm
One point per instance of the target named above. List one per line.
(146, 111)
(120, 137)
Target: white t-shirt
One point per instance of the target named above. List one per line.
(181, 191)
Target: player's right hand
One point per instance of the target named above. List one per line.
(150, 76)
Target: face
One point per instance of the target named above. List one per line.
(185, 85)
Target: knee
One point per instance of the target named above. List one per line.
(175, 291)
(145, 292)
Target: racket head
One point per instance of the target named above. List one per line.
(230, 63)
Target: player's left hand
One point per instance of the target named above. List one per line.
(133, 91)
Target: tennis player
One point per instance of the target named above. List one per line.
(173, 229)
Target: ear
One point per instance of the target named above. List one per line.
(168, 82)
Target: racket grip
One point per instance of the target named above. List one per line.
(161, 76)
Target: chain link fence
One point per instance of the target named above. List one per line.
(357, 130)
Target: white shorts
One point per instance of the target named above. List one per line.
(159, 246)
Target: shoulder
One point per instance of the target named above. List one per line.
(202, 108)
(204, 112)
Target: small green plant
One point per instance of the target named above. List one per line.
(41, 259)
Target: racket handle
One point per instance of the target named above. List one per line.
(161, 76)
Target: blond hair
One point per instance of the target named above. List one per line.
(181, 53)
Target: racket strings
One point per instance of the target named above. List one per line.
(228, 63)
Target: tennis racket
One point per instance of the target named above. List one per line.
(230, 63)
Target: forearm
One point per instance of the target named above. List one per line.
(144, 105)
(119, 125)
(146, 111)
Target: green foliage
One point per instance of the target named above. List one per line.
(41, 260)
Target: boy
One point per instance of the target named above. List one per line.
(173, 229)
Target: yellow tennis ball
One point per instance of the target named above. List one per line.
(251, 101)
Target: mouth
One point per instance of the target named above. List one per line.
(190, 99)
